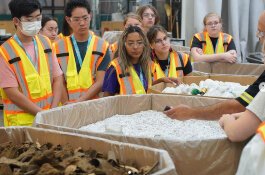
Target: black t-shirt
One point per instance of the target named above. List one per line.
(196, 43)
(186, 69)
(83, 49)
(252, 90)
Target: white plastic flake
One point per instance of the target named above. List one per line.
(153, 124)
(214, 89)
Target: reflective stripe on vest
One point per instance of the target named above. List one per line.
(114, 47)
(129, 82)
(246, 97)
(177, 63)
(34, 84)
(221, 46)
(261, 130)
(78, 83)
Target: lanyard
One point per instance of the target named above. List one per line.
(167, 67)
(141, 75)
(77, 51)
(28, 55)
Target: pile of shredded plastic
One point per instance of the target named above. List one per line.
(153, 124)
(214, 89)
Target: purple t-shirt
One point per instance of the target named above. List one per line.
(111, 83)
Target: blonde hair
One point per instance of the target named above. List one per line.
(133, 16)
(124, 58)
(211, 14)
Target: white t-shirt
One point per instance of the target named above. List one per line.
(252, 160)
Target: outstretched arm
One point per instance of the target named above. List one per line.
(213, 112)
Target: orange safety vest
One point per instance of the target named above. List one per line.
(224, 40)
(61, 36)
(78, 83)
(129, 82)
(114, 47)
(177, 63)
(261, 130)
(34, 84)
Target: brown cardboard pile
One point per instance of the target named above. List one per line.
(216, 156)
(241, 79)
(125, 152)
(228, 68)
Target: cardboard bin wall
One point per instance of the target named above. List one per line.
(200, 157)
(125, 152)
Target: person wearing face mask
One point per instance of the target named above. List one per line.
(83, 57)
(212, 45)
(29, 71)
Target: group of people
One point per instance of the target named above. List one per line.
(39, 73)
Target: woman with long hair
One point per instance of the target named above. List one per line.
(131, 19)
(167, 63)
(129, 73)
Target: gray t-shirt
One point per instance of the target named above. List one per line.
(257, 106)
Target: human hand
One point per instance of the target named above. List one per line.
(199, 51)
(177, 81)
(227, 118)
(230, 57)
(180, 112)
(174, 81)
(233, 52)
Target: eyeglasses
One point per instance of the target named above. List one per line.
(31, 19)
(147, 15)
(52, 29)
(161, 41)
(212, 24)
(260, 34)
(79, 19)
(134, 44)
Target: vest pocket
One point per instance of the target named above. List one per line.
(47, 82)
(34, 85)
(71, 79)
(84, 78)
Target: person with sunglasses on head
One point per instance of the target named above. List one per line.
(130, 72)
(233, 124)
(149, 16)
(29, 71)
(168, 64)
(49, 28)
(83, 57)
(212, 45)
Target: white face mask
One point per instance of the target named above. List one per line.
(31, 28)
